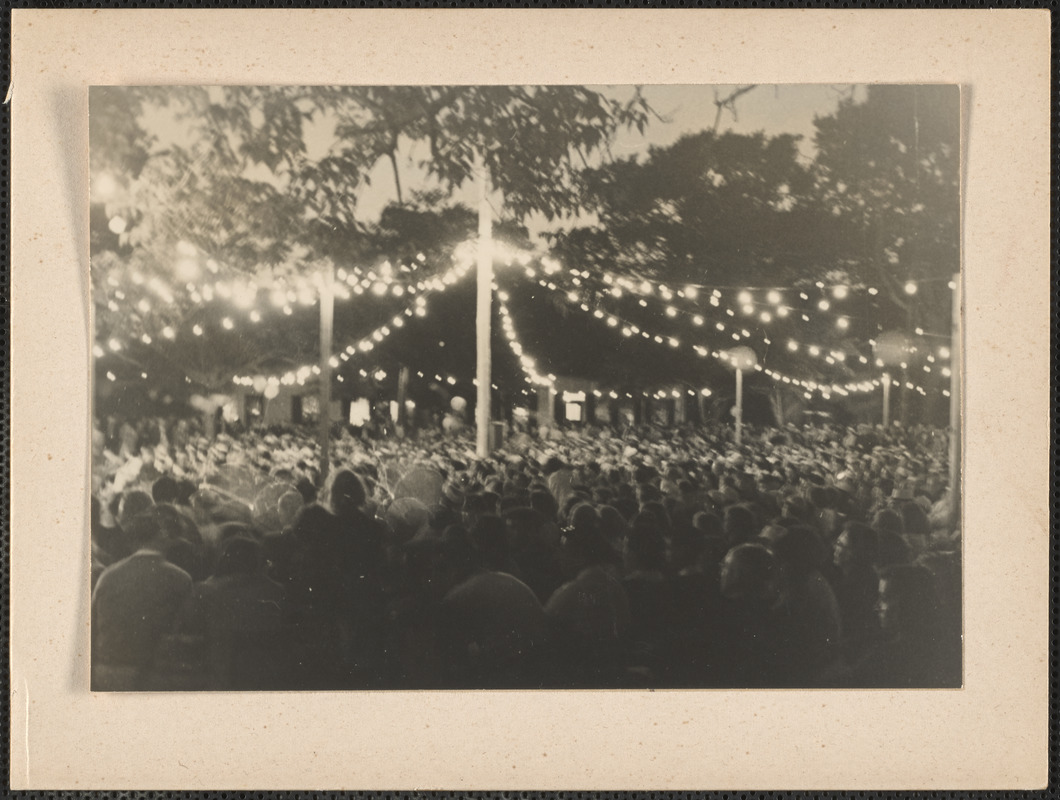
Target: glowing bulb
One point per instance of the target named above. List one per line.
(378, 288)
(645, 287)
(697, 320)
(116, 225)
(146, 339)
(168, 332)
(745, 297)
(398, 290)
(612, 322)
(766, 317)
(255, 316)
(187, 269)
(946, 372)
(944, 352)
(842, 323)
(227, 323)
(111, 376)
(774, 297)
(840, 292)
(98, 351)
(691, 292)
(824, 305)
(197, 330)
(748, 309)
(815, 351)
(114, 345)
(783, 311)
(705, 392)
(793, 345)
(288, 310)
(671, 311)
(910, 288)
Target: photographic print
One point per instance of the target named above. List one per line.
(525, 387)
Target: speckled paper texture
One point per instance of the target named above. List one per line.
(990, 734)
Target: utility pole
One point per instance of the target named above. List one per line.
(327, 319)
(483, 311)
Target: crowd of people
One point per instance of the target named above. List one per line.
(582, 558)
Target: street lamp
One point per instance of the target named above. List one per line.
(743, 359)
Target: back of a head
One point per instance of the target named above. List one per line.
(165, 490)
(489, 537)
(911, 599)
(346, 493)
(232, 511)
(149, 528)
(887, 520)
(748, 572)
(646, 545)
(240, 555)
(314, 524)
(133, 503)
(523, 524)
(235, 530)
(657, 510)
(914, 520)
(708, 523)
(287, 507)
(612, 524)
(739, 524)
(544, 503)
(863, 541)
(799, 549)
(406, 517)
(892, 549)
(585, 516)
(185, 489)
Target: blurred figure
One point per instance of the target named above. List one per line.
(134, 606)
(916, 651)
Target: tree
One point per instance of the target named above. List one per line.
(887, 175)
(888, 181)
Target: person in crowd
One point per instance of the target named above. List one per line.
(916, 651)
(240, 615)
(809, 603)
(653, 558)
(135, 604)
(493, 629)
(589, 613)
(856, 586)
(750, 642)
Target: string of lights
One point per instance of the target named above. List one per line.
(419, 308)
(526, 363)
(630, 330)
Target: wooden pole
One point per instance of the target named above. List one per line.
(483, 311)
(955, 395)
(886, 379)
(739, 405)
(402, 396)
(327, 318)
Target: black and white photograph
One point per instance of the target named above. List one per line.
(537, 387)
